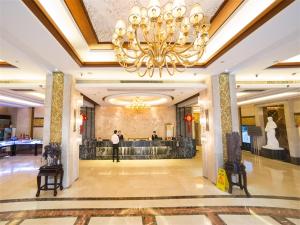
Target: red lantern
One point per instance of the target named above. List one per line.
(189, 119)
(83, 118)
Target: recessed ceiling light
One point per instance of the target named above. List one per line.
(37, 94)
(270, 97)
(18, 101)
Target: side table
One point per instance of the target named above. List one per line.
(50, 171)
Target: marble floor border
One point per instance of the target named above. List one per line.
(147, 198)
(148, 214)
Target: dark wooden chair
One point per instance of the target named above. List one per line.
(234, 165)
(239, 170)
(55, 171)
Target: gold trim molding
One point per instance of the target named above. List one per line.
(269, 82)
(57, 107)
(220, 18)
(225, 105)
(38, 122)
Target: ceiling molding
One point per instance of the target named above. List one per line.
(88, 99)
(187, 99)
(265, 16)
(45, 19)
(6, 65)
(116, 64)
(285, 65)
(268, 82)
(222, 15)
(82, 19)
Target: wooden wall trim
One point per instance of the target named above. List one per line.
(45, 19)
(265, 16)
(6, 65)
(82, 19)
(224, 13)
(187, 99)
(31, 123)
(285, 65)
(89, 100)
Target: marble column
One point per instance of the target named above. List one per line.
(220, 101)
(57, 107)
(292, 132)
(62, 113)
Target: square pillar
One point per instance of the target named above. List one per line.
(62, 118)
(219, 100)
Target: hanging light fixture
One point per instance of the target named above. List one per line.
(138, 104)
(160, 37)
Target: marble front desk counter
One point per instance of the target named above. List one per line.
(184, 148)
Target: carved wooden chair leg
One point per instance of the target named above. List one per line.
(38, 179)
(61, 180)
(55, 184)
(46, 182)
(240, 181)
(245, 184)
(229, 174)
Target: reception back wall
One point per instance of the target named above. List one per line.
(132, 123)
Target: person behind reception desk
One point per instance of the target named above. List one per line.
(120, 135)
(154, 136)
(115, 141)
(121, 144)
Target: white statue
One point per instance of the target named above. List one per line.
(272, 142)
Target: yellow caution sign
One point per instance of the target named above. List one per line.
(222, 181)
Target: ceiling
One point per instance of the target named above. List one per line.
(35, 51)
(104, 14)
(179, 91)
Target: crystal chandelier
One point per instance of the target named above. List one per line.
(138, 104)
(160, 37)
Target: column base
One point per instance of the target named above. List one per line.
(275, 154)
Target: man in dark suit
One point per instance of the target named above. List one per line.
(154, 136)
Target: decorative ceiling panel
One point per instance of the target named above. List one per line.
(104, 13)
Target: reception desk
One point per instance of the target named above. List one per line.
(142, 149)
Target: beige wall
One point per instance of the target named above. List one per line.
(248, 110)
(293, 133)
(23, 123)
(38, 131)
(21, 119)
(296, 105)
(11, 112)
(133, 124)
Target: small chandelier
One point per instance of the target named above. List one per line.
(138, 104)
(161, 37)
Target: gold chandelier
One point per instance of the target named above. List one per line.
(138, 104)
(158, 37)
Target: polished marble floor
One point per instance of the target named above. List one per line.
(152, 192)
